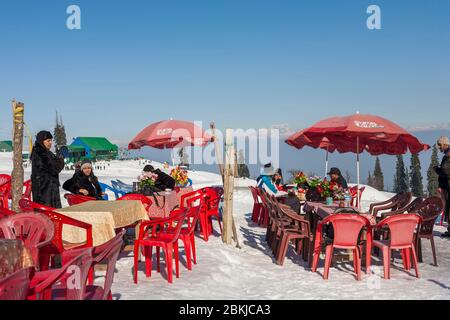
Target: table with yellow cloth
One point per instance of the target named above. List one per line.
(14, 256)
(105, 217)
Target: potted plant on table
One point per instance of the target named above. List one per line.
(147, 181)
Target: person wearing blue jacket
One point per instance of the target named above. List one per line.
(264, 181)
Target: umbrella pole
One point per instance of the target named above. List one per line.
(357, 172)
(326, 164)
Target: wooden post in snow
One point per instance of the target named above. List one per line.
(17, 173)
(228, 188)
(218, 151)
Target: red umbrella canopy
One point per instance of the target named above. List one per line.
(170, 134)
(376, 135)
(299, 140)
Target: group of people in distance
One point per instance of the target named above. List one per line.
(46, 167)
(271, 179)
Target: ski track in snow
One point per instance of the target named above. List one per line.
(226, 272)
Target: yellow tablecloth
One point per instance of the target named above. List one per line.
(104, 216)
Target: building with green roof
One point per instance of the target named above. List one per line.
(6, 146)
(92, 148)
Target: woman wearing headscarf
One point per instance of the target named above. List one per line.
(84, 182)
(45, 169)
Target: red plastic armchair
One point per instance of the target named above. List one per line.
(257, 205)
(106, 253)
(35, 230)
(192, 198)
(402, 228)
(354, 194)
(57, 246)
(146, 201)
(53, 284)
(213, 198)
(347, 229)
(73, 199)
(160, 233)
(5, 190)
(27, 189)
(15, 286)
(397, 202)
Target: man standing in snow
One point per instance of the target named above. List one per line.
(444, 178)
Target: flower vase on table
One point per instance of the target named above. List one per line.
(180, 176)
(146, 183)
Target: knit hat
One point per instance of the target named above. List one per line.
(86, 164)
(443, 141)
(42, 136)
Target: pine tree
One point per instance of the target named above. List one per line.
(401, 179)
(432, 176)
(59, 133)
(370, 179)
(416, 176)
(243, 171)
(378, 178)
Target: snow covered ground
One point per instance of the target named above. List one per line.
(249, 272)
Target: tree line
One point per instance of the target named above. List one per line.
(408, 179)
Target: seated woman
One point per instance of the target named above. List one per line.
(336, 176)
(264, 181)
(84, 182)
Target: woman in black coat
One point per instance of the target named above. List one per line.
(84, 182)
(45, 169)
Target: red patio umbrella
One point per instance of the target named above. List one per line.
(357, 133)
(170, 134)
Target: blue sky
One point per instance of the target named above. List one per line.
(240, 63)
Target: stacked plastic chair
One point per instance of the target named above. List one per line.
(74, 199)
(5, 190)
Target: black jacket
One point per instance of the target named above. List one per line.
(444, 173)
(342, 182)
(81, 181)
(45, 169)
(164, 181)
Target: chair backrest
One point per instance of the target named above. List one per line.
(35, 230)
(146, 201)
(254, 194)
(108, 253)
(347, 228)
(430, 209)
(403, 200)
(73, 274)
(155, 228)
(16, 285)
(398, 202)
(402, 228)
(74, 199)
(4, 179)
(28, 205)
(187, 197)
(192, 216)
(27, 189)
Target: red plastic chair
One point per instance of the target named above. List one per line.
(347, 229)
(15, 286)
(213, 198)
(66, 283)
(27, 189)
(187, 201)
(264, 216)
(354, 194)
(106, 253)
(5, 190)
(187, 233)
(57, 245)
(35, 230)
(5, 212)
(402, 229)
(257, 205)
(146, 201)
(74, 199)
(160, 233)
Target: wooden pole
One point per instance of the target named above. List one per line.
(218, 151)
(17, 174)
(236, 171)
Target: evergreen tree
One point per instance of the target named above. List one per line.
(243, 171)
(184, 158)
(416, 176)
(378, 178)
(370, 179)
(432, 176)
(59, 133)
(401, 179)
